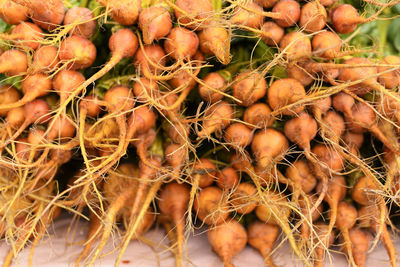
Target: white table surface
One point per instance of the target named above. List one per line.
(56, 251)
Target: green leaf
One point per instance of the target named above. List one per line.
(15, 81)
(396, 42)
(390, 49)
(361, 41)
(3, 26)
(396, 9)
(263, 51)
(393, 29)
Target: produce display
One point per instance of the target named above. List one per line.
(262, 121)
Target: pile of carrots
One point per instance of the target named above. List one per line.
(253, 118)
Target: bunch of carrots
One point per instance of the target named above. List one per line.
(256, 119)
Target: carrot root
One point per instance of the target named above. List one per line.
(109, 221)
(348, 246)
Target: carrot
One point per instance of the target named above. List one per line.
(216, 118)
(65, 82)
(185, 79)
(327, 3)
(45, 59)
(284, 92)
(141, 120)
(272, 33)
(238, 135)
(262, 237)
(84, 20)
(274, 209)
(297, 72)
(301, 130)
(360, 240)
(346, 218)
(326, 45)
(33, 86)
(118, 100)
(47, 14)
(13, 13)
(145, 193)
(335, 193)
(80, 197)
(216, 40)
(345, 18)
(333, 126)
(227, 240)
(176, 157)
(124, 12)
(178, 133)
(353, 140)
(203, 172)
(359, 73)
(364, 118)
(374, 212)
(8, 94)
(121, 198)
(302, 178)
(370, 216)
(143, 143)
(321, 106)
(173, 203)
(295, 46)
(144, 224)
(306, 203)
(344, 103)
(24, 233)
(388, 107)
(323, 241)
(95, 227)
(78, 52)
(148, 172)
(331, 160)
(215, 81)
(258, 115)
(36, 111)
(15, 118)
(389, 79)
(266, 3)
(123, 43)
(155, 23)
(49, 169)
(145, 89)
(22, 149)
(211, 206)
(250, 15)
(289, 11)
(242, 198)
(150, 60)
(265, 177)
(26, 35)
(193, 14)
(249, 87)
(181, 43)
(13, 62)
(312, 17)
(267, 145)
(62, 129)
(40, 223)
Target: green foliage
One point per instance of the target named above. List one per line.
(393, 34)
(4, 26)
